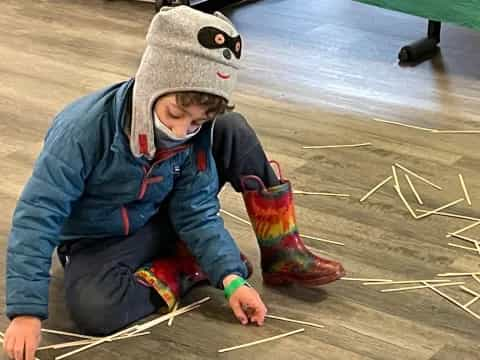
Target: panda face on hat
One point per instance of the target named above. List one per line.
(213, 38)
(196, 35)
(216, 39)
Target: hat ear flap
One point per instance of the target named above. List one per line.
(221, 16)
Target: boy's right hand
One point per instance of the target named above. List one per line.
(246, 304)
(22, 338)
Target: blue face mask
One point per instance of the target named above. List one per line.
(165, 138)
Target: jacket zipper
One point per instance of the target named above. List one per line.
(156, 179)
(148, 180)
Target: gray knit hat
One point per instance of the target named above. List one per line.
(187, 50)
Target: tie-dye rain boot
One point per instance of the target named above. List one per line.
(285, 259)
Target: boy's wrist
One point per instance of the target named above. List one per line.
(232, 283)
(228, 279)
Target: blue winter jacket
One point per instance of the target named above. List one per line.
(87, 183)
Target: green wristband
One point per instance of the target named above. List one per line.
(233, 286)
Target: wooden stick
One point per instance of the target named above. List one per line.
(294, 321)
(457, 131)
(92, 344)
(440, 208)
(66, 333)
(420, 287)
(336, 146)
(299, 192)
(404, 125)
(459, 231)
(477, 246)
(419, 199)
(2, 335)
(395, 176)
(476, 278)
(235, 217)
(175, 307)
(405, 202)
(452, 300)
(362, 279)
(418, 176)
(451, 215)
(462, 247)
(261, 341)
(474, 300)
(464, 238)
(465, 191)
(133, 330)
(165, 317)
(459, 274)
(320, 239)
(66, 345)
(470, 291)
(404, 282)
(86, 342)
(378, 186)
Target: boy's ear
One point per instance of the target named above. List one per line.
(221, 16)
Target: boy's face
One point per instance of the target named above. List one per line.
(179, 119)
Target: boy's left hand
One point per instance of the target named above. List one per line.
(247, 305)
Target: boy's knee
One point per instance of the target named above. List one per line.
(95, 313)
(232, 122)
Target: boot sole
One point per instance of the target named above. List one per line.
(282, 279)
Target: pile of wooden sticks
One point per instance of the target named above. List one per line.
(432, 284)
(421, 213)
(396, 185)
(418, 214)
(88, 342)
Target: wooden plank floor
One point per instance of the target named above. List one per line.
(317, 72)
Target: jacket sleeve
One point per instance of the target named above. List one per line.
(194, 211)
(46, 201)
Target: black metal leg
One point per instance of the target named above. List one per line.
(158, 5)
(425, 47)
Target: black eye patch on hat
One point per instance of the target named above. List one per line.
(213, 38)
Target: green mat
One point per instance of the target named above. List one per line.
(462, 12)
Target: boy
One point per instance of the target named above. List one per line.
(126, 188)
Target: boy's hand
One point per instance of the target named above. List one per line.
(22, 338)
(246, 303)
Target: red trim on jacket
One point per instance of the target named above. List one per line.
(165, 154)
(126, 221)
(142, 142)
(201, 160)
